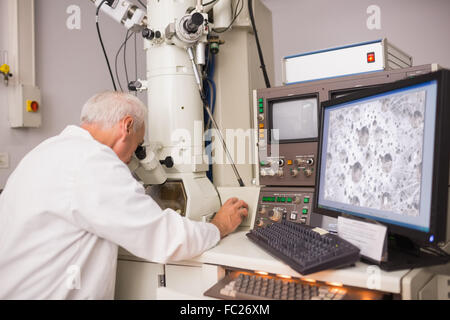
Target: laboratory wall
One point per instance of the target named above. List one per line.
(419, 27)
(70, 68)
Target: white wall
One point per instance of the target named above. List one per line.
(419, 27)
(70, 68)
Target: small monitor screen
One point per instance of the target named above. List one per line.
(377, 156)
(294, 119)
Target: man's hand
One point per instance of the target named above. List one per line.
(230, 216)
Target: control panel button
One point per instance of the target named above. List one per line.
(293, 216)
(308, 172)
(260, 222)
(275, 215)
(32, 106)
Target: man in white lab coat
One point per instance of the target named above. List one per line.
(72, 201)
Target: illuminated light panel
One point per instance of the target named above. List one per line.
(263, 273)
(308, 280)
(371, 57)
(334, 284)
(284, 276)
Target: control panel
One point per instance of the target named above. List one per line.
(276, 204)
(287, 153)
(291, 168)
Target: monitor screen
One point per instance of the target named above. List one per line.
(376, 159)
(294, 119)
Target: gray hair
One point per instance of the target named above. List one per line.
(108, 108)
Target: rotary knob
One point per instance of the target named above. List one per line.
(277, 215)
(260, 222)
(280, 172)
(294, 172)
(262, 210)
(308, 172)
(297, 200)
(261, 117)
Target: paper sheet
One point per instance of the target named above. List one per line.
(368, 237)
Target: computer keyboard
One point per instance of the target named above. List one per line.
(304, 248)
(243, 286)
(246, 285)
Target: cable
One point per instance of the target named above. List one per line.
(219, 133)
(127, 37)
(135, 60)
(206, 106)
(103, 46)
(125, 62)
(236, 15)
(438, 251)
(142, 4)
(261, 57)
(208, 3)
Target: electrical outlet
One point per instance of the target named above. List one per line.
(4, 160)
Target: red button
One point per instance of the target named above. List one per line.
(371, 57)
(35, 106)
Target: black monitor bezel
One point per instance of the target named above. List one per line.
(440, 181)
(273, 100)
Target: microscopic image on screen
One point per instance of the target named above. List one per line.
(374, 153)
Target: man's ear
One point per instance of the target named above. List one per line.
(129, 122)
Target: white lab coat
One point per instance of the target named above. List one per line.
(65, 210)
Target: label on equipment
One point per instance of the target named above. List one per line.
(320, 231)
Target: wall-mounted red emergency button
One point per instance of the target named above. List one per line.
(371, 57)
(32, 106)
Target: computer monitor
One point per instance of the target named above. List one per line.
(384, 156)
(287, 113)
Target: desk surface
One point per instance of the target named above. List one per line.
(237, 251)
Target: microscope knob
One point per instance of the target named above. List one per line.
(134, 85)
(195, 21)
(148, 34)
(168, 162)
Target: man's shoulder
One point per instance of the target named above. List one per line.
(72, 144)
